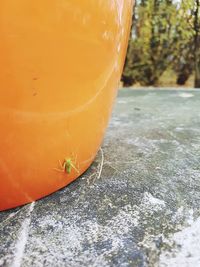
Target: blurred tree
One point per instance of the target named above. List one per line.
(127, 75)
(188, 59)
(165, 34)
(185, 65)
(151, 48)
(184, 58)
(197, 42)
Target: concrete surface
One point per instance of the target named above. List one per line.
(138, 204)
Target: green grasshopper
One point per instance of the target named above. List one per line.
(67, 166)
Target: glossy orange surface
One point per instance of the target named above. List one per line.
(61, 62)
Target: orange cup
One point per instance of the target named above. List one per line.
(61, 63)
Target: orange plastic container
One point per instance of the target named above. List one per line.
(61, 63)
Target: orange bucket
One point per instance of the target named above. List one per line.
(61, 63)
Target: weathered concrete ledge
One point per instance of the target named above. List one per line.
(141, 209)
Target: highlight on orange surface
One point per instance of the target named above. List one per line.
(61, 63)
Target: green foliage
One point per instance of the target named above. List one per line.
(163, 37)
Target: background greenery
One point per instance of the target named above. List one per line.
(164, 44)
